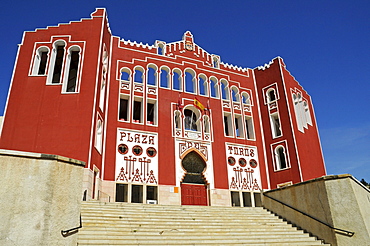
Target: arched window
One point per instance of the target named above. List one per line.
(191, 120)
(189, 81)
(125, 74)
(99, 136)
(214, 87)
(104, 78)
(56, 64)
(177, 119)
(235, 94)
(275, 125)
(177, 80)
(271, 95)
(40, 61)
(165, 78)
(302, 112)
(246, 98)
(138, 75)
(160, 49)
(206, 124)
(216, 62)
(72, 63)
(224, 90)
(307, 113)
(203, 88)
(280, 158)
(152, 75)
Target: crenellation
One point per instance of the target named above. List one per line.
(267, 65)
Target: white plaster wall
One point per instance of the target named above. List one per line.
(40, 196)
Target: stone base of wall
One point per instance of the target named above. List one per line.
(40, 196)
(338, 200)
(220, 197)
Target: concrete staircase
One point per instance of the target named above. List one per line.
(142, 224)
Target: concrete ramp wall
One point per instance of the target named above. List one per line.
(40, 196)
(338, 200)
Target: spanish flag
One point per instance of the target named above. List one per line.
(198, 104)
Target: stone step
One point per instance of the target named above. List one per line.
(142, 224)
(210, 230)
(183, 219)
(187, 241)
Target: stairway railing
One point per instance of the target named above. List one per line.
(341, 231)
(72, 231)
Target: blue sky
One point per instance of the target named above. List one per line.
(325, 45)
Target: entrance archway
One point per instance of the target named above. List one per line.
(194, 184)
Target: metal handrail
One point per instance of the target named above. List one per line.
(345, 232)
(74, 230)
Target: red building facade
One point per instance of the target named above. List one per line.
(166, 123)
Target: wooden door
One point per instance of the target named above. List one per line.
(194, 194)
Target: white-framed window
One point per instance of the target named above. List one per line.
(139, 75)
(151, 112)
(235, 94)
(191, 119)
(216, 61)
(177, 120)
(40, 61)
(271, 95)
(190, 81)
(203, 85)
(137, 110)
(125, 74)
(124, 107)
(99, 135)
(152, 75)
(302, 112)
(249, 128)
(165, 77)
(275, 125)
(177, 79)
(239, 129)
(281, 160)
(228, 125)
(70, 83)
(103, 79)
(246, 98)
(56, 62)
(161, 48)
(224, 89)
(207, 125)
(213, 87)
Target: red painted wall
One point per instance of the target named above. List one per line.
(39, 118)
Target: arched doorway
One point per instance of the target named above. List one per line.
(194, 184)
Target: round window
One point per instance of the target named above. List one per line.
(231, 161)
(151, 151)
(122, 149)
(137, 150)
(253, 163)
(242, 162)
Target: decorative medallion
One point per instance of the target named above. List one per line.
(151, 151)
(189, 45)
(231, 161)
(122, 149)
(137, 150)
(242, 162)
(253, 163)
